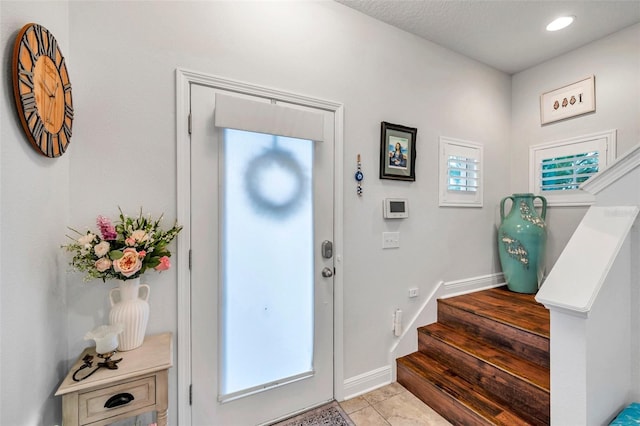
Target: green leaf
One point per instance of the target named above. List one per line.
(115, 254)
(152, 263)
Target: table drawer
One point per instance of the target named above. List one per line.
(141, 392)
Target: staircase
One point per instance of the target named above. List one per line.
(485, 362)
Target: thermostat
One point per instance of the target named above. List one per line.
(395, 208)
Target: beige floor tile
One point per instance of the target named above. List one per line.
(384, 392)
(354, 404)
(404, 409)
(368, 417)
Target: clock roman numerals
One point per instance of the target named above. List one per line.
(50, 147)
(66, 128)
(63, 139)
(33, 55)
(58, 143)
(68, 111)
(52, 49)
(42, 90)
(37, 29)
(37, 129)
(28, 102)
(26, 77)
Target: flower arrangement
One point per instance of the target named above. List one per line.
(124, 250)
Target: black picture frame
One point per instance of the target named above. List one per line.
(397, 152)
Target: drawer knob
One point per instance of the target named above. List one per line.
(118, 400)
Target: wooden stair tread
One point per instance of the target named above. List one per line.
(514, 365)
(485, 362)
(467, 395)
(523, 343)
(499, 304)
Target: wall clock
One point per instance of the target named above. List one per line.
(42, 90)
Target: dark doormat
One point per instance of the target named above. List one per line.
(326, 415)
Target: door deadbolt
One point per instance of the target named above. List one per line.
(327, 249)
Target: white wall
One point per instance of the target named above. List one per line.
(124, 130)
(34, 203)
(615, 62)
(123, 153)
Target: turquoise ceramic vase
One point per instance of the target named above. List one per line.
(522, 239)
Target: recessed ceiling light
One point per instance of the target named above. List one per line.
(560, 23)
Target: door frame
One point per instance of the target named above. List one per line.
(184, 79)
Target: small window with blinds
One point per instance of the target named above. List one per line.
(558, 169)
(460, 173)
(568, 172)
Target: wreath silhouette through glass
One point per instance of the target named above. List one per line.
(275, 160)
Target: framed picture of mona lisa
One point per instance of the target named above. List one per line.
(397, 152)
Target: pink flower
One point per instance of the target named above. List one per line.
(103, 264)
(164, 264)
(142, 254)
(129, 263)
(130, 241)
(106, 228)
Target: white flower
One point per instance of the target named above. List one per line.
(140, 236)
(86, 240)
(101, 248)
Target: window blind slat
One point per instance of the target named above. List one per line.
(586, 155)
(462, 160)
(565, 170)
(472, 187)
(571, 176)
(462, 169)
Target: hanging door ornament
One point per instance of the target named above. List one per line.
(275, 158)
(359, 176)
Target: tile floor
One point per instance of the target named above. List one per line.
(391, 405)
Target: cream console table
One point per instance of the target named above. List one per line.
(140, 384)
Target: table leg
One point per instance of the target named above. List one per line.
(70, 409)
(162, 394)
(162, 416)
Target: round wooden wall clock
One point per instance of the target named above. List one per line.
(42, 90)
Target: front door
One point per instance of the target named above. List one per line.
(261, 260)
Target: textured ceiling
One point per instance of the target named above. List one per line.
(508, 35)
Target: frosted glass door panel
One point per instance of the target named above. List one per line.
(268, 265)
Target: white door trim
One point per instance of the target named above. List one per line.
(184, 78)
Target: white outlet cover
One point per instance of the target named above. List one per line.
(390, 240)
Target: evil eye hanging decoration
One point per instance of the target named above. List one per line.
(359, 177)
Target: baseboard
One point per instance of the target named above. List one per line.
(469, 285)
(408, 341)
(367, 382)
(427, 314)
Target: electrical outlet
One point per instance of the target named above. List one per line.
(390, 240)
(413, 292)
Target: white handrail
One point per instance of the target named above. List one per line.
(578, 274)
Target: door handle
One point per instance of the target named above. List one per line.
(327, 272)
